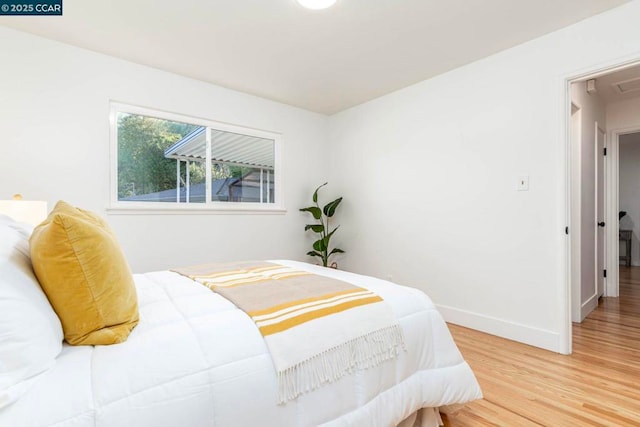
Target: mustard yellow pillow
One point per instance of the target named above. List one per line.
(85, 275)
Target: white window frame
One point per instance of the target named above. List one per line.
(137, 207)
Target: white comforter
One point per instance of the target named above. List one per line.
(197, 360)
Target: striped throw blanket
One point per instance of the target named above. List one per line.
(317, 329)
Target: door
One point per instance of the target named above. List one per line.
(600, 217)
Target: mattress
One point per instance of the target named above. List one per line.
(197, 360)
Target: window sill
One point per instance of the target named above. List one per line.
(192, 209)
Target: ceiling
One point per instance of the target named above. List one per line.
(323, 61)
(619, 85)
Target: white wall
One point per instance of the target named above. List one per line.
(54, 141)
(429, 178)
(629, 190)
(623, 115)
(592, 113)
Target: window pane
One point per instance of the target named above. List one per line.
(245, 164)
(145, 172)
(166, 161)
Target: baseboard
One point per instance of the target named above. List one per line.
(536, 337)
(588, 306)
(633, 264)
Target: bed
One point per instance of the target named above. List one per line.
(195, 359)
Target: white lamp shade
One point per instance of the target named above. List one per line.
(30, 211)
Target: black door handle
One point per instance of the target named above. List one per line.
(601, 224)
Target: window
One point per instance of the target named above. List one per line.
(167, 161)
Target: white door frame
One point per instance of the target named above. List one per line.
(611, 208)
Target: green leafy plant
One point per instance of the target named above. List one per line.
(321, 246)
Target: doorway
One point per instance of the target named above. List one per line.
(602, 109)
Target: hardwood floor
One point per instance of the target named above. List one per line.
(598, 385)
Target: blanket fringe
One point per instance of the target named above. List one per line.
(360, 353)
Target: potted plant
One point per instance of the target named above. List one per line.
(322, 216)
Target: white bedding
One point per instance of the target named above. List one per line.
(196, 360)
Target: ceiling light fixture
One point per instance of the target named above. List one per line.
(316, 4)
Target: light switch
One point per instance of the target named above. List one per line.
(523, 183)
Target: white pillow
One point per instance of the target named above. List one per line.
(30, 331)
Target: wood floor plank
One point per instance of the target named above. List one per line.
(484, 414)
(597, 385)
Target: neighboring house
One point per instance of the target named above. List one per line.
(244, 189)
